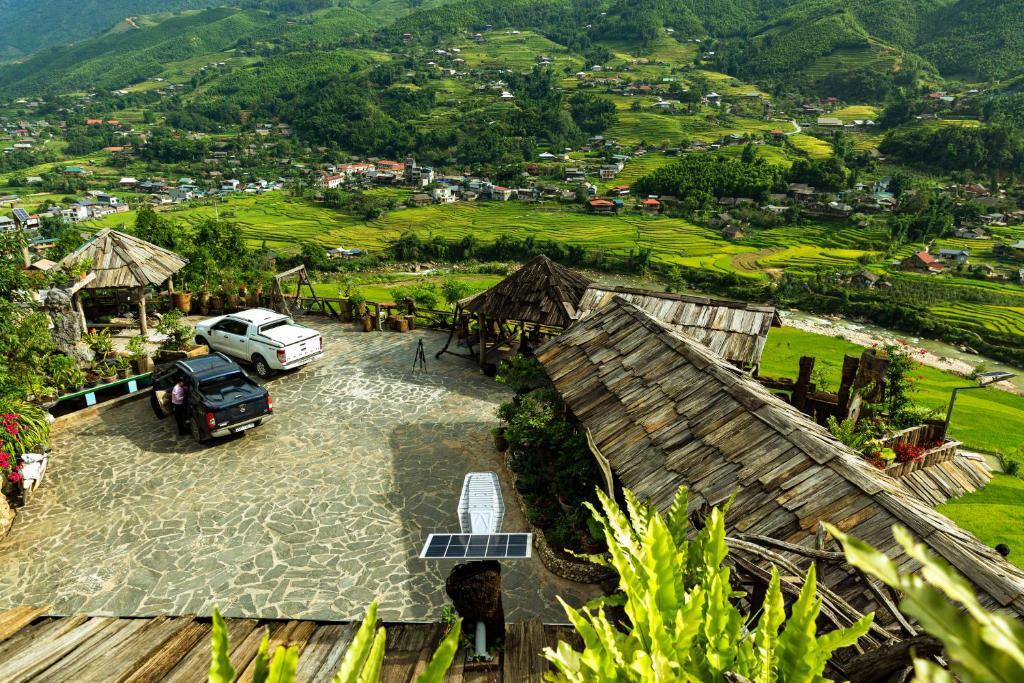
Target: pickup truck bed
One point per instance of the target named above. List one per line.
(222, 399)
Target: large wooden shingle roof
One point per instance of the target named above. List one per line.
(120, 260)
(735, 330)
(665, 411)
(541, 292)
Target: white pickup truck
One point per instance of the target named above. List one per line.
(269, 340)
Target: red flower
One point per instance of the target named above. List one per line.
(15, 477)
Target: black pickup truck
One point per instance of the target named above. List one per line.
(222, 399)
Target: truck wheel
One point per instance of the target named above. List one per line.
(201, 341)
(261, 366)
(197, 433)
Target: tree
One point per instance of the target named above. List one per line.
(683, 623)
(749, 153)
(454, 290)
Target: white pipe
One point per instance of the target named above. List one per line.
(481, 639)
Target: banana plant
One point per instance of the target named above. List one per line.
(683, 621)
(361, 664)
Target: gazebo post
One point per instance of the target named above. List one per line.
(482, 326)
(170, 286)
(143, 328)
(81, 312)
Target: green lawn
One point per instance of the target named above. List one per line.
(995, 514)
(988, 420)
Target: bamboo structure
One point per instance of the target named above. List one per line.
(121, 261)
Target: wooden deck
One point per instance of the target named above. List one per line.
(37, 647)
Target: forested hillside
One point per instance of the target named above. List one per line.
(29, 25)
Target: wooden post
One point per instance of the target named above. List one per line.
(803, 382)
(143, 328)
(482, 328)
(850, 366)
(81, 312)
(170, 286)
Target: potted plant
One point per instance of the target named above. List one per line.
(182, 301)
(91, 378)
(139, 356)
(107, 371)
(123, 365)
(179, 342)
(23, 427)
(58, 369)
(74, 380)
(500, 440)
(100, 342)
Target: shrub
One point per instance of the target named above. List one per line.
(683, 623)
(179, 334)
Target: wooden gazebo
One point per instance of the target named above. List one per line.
(540, 295)
(120, 261)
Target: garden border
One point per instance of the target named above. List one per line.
(579, 571)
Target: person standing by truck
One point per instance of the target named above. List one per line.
(179, 404)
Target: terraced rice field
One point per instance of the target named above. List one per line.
(811, 146)
(637, 168)
(518, 51)
(634, 127)
(856, 111)
(809, 258)
(875, 56)
(1005, 319)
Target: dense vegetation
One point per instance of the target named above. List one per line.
(697, 180)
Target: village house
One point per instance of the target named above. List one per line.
(864, 279)
(499, 193)
(598, 205)
(420, 199)
(651, 205)
(24, 220)
(971, 233)
(444, 194)
(330, 182)
(732, 232)
(7, 224)
(829, 122)
(573, 174)
(958, 256)
(921, 262)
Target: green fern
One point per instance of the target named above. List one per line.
(681, 607)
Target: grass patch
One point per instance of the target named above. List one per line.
(994, 514)
(988, 420)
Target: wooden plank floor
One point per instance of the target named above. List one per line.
(37, 647)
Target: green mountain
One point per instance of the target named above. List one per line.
(30, 25)
(116, 59)
(855, 48)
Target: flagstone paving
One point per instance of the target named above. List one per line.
(312, 515)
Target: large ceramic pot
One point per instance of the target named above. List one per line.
(182, 301)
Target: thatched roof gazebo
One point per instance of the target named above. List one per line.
(540, 294)
(121, 261)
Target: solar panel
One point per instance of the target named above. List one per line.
(21, 215)
(477, 546)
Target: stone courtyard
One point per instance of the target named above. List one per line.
(312, 515)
